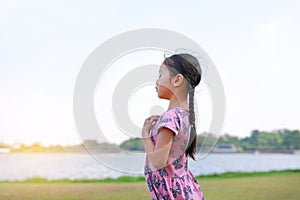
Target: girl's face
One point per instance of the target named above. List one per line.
(163, 83)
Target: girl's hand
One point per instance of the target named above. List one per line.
(148, 125)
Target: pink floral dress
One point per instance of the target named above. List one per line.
(175, 180)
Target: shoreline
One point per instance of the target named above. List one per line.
(256, 152)
(130, 179)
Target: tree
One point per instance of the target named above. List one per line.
(134, 144)
(291, 139)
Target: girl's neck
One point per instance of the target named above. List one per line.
(175, 103)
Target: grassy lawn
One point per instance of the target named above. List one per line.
(266, 186)
(259, 188)
(82, 191)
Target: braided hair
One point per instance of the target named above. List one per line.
(189, 67)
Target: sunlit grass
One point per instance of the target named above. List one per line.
(231, 186)
(281, 186)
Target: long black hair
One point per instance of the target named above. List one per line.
(189, 67)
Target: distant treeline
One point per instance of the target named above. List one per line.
(258, 140)
(92, 145)
(262, 140)
(37, 147)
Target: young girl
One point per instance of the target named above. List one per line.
(170, 138)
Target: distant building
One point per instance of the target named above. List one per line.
(296, 151)
(224, 148)
(4, 150)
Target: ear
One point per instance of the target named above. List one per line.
(178, 80)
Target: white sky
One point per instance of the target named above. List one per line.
(255, 46)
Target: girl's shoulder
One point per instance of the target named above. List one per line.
(177, 111)
(174, 114)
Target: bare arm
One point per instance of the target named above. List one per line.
(159, 153)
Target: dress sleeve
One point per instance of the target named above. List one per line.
(170, 120)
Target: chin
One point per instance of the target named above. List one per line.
(160, 96)
(163, 97)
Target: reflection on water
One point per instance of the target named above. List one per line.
(84, 166)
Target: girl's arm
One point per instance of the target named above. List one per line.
(158, 154)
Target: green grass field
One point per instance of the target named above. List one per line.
(232, 186)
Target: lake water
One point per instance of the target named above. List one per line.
(84, 166)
